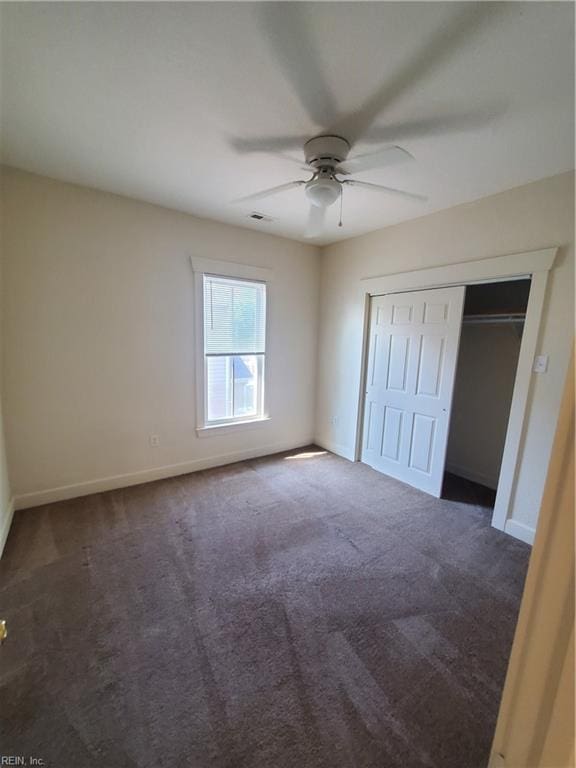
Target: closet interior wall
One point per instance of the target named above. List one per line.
(485, 375)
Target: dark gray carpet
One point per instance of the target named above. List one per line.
(285, 612)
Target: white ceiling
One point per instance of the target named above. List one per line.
(147, 99)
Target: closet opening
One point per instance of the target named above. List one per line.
(491, 334)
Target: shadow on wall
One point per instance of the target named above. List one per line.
(485, 376)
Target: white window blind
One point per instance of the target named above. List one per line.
(234, 316)
(234, 349)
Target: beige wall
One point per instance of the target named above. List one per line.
(485, 374)
(99, 337)
(6, 506)
(527, 218)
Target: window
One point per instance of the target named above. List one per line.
(234, 339)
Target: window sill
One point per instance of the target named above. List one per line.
(222, 429)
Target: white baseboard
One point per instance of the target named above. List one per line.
(471, 474)
(520, 531)
(337, 448)
(50, 495)
(5, 528)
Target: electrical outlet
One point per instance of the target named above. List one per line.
(540, 364)
(154, 441)
(334, 420)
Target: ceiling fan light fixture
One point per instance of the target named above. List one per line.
(323, 192)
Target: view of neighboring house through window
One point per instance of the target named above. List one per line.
(234, 349)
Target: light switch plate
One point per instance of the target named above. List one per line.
(540, 364)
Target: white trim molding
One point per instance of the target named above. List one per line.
(511, 456)
(520, 531)
(340, 450)
(481, 271)
(536, 720)
(533, 264)
(5, 530)
(111, 483)
(231, 269)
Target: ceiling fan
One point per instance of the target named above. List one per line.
(326, 154)
(326, 158)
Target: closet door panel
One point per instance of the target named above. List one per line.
(413, 349)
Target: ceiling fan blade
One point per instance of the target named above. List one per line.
(452, 37)
(432, 126)
(315, 223)
(291, 159)
(380, 159)
(270, 192)
(288, 33)
(269, 143)
(388, 190)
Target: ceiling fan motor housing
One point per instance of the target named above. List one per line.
(326, 151)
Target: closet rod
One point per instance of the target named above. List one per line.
(479, 319)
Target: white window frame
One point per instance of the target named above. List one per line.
(234, 271)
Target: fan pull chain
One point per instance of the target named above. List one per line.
(341, 196)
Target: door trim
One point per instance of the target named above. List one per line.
(533, 264)
(536, 719)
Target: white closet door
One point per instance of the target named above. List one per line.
(412, 358)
